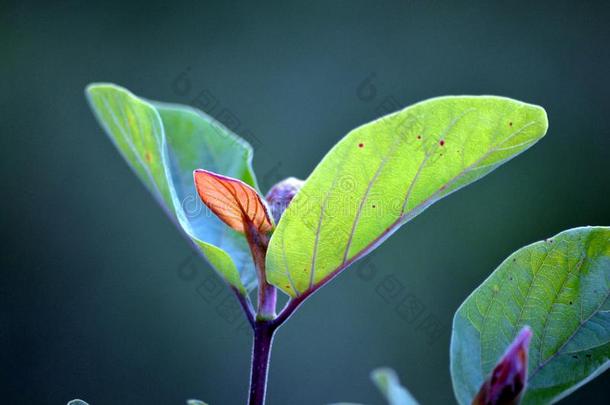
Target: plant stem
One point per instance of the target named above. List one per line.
(261, 352)
(264, 331)
(265, 322)
(266, 292)
(266, 301)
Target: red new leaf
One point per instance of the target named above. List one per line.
(233, 201)
(507, 381)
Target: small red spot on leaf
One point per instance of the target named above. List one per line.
(442, 142)
(148, 156)
(361, 145)
(418, 136)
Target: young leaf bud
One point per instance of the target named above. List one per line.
(507, 381)
(280, 195)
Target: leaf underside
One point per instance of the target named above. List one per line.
(164, 144)
(386, 172)
(560, 288)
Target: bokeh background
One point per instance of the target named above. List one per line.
(101, 298)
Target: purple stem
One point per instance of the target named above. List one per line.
(264, 330)
(267, 301)
(261, 352)
(267, 294)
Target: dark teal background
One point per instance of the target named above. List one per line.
(101, 298)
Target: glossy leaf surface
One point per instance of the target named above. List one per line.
(386, 172)
(560, 288)
(164, 144)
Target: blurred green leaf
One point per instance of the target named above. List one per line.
(195, 402)
(344, 403)
(164, 143)
(386, 172)
(388, 383)
(560, 288)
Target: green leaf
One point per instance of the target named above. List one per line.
(386, 172)
(164, 144)
(195, 402)
(560, 288)
(344, 403)
(389, 385)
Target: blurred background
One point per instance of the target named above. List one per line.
(101, 298)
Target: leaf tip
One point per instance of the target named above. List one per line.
(94, 87)
(540, 116)
(77, 402)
